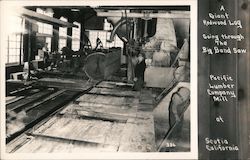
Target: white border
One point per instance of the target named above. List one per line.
(101, 155)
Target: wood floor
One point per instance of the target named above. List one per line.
(104, 117)
(108, 118)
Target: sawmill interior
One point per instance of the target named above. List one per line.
(98, 78)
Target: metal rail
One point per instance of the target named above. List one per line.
(87, 114)
(59, 105)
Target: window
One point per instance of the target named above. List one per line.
(48, 40)
(45, 29)
(15, 41)
(62, 43)
(62, 35)
(104, 36)
(107, 26)
(76, 37)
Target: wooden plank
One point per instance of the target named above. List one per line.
(43, 18)
(80, 135)
(105, 116)
(89, 115)
(12, 99)
(66, 140)
(110, 94)
(17, 143)
(49, 145)
(30, 91)
(82, 130)
(108, 100)
(80, 125)
(27, 100)
(37, 114)
(70, 84)
(101, 108)
(114, 92)
(138, 136)
(52, 96)
(19, 90)
(109, 84)
(109, 107)
(146, 97)
(184, 14)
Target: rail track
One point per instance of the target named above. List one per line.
(97, 116)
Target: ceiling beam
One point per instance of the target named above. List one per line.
(45, 19)
(173, 14)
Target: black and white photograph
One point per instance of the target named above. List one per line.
(98, 78)
(128, 79)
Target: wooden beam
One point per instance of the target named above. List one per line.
(70, 84)
(89, 115)
(70, 141)
(50, 97)
(45, 19)
(108, 116)
(18, 105)
(182, 15)
(43, 111)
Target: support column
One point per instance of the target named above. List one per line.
(82, 37)
(55, 39)
(69, 36)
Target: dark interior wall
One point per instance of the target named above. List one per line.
(32, 28)
(182, 28)
(93, 22)
(86, 18)
(12, 69)
(40, 42)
